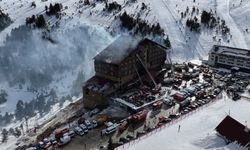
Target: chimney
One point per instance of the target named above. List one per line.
(246, 129)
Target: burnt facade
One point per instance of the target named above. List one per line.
(122, 61)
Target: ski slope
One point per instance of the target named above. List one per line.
(197, 130)
(186, 46)
(224, 11)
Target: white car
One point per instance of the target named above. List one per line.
(109, 124)
(84, 128)
(79, 131)
(94, 124)
(88, 124)
(64, 140)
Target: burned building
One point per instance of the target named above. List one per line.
(119, 63)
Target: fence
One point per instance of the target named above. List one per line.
(137, 140)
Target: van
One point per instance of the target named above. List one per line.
(110, 129)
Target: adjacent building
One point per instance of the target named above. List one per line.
(233, 131)
(119, 63)
(228, 57)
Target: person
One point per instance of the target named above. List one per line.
(179, 128)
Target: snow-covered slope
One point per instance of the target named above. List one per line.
(69, 33)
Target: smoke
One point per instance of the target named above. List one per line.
(26, 57)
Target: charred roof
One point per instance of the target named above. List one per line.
(121, 48)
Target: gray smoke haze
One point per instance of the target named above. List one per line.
(26, 57)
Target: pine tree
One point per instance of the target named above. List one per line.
(167, 42)
(3, 96)
(40, 22)
(4, 135)
(20, 110)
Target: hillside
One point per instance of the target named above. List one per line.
(33, 61)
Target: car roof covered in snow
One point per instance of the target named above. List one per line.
(121, 48)
(233, 130)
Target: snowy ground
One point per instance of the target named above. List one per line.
(167, 13)
(197, 130)
(186, 46)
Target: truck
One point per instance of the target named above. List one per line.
(123, 126)
(157, 105)
(138, 117)
(60, 133)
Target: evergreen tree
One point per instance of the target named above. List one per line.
(167, 42)
(40, 22)
(7, 118)
(20, 110)
(4, 135)
(3, 96)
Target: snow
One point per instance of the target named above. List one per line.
(186, 46)
(224, 11)
(197, 130)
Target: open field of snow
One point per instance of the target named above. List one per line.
(197, 130)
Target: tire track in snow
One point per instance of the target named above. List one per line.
(224, 11)
(180, 50)
(198, 51)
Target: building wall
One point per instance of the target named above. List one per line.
(150, 54)
(156, 56)
(233, 61)
(105, 70)
(93, 98)
(129, 66)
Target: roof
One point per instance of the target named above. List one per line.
(100, 84)
(121, 48)
(232, 51)
(233, 130)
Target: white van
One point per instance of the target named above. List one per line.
(110, 129)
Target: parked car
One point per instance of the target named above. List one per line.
(64, 140)
(94, 124)
(163, 119)
(53, 141)
(70, 133)
(173, 116)
(79, 131)
(236, 96)
(94, 112)
(84, 128)
(88, 124)
(110, 129)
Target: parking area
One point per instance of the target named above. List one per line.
(142, 109)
